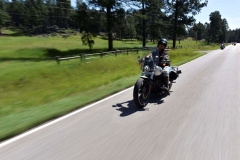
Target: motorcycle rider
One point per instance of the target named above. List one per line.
(222, 46)
(162, 53)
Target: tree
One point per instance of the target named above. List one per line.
(131, 23)
(179, 12)
(224, 36)
(238, 36)
(215, 26)
(150, 16)
(63, 8)
(87, 39)
(82, 16)
(121, 25)
(89, 22)
(156, 23)
(234, 35)
(42, 12)
(181, 33)
(4, 16)
(17, 11)
(109, 7)
(197, 31)
(207, 32)
(144, 18)
(52, 12)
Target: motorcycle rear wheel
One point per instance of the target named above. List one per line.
(141, 93)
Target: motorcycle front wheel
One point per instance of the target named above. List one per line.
(141, 92)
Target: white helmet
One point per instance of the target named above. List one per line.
(157, 71)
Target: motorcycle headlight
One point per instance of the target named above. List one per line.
(146, 68)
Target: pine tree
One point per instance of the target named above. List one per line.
(4, 16)
(181, 12)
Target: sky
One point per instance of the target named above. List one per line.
(229, 9)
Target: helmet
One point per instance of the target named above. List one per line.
(163, 41)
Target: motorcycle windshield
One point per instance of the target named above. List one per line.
(149, 62)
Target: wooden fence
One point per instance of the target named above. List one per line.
(83, 57)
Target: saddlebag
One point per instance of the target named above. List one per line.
(173, 75)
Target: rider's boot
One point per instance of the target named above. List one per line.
(166, 82)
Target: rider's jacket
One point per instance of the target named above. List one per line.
(163, 55)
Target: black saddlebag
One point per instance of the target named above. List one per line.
(173, 75)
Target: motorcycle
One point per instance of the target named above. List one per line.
(222, 47)
(151, 80)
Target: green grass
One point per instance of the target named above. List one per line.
(34, 89)
(19, 119)
(49, 80)
(44, 47)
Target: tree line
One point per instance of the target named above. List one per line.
(216, 31)
(117, 19)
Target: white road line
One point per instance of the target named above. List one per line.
(57, 120)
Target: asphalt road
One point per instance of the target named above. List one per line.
(200, 120)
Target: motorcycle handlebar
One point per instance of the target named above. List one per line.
(162, 61)
(165, 61)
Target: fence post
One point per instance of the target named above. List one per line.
(82, 57)
(101, 54)
(57, 59)
(127, 51)
(115, 53)
(137, 50)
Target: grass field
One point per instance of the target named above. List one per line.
(34, 89)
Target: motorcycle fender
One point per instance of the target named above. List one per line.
(147, 78)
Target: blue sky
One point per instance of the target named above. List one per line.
(229, 9)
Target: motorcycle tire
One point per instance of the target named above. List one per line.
(141, 92)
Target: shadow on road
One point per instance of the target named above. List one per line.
(157, 99)
(127, 108)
